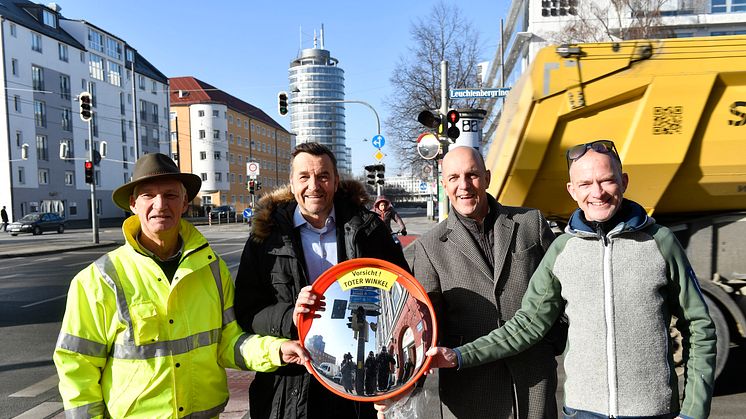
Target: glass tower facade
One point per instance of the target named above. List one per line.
(316, 111)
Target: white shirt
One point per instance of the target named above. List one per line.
(319, 244)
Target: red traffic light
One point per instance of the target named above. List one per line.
(88, 165)
(88, 171)
(453, 116)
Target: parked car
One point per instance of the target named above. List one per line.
(37, 223)
(221, 212)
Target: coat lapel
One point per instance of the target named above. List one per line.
(462, 240)
(503, 236)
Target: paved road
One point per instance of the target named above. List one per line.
(32, 296)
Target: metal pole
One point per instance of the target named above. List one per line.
(442, 203)
(134, 108)
(91, 154)
(314, 101)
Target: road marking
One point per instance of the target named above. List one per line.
(10, 276)
(41, 411)
(45, 301)
(231, 252)
(78, 263)
(38, 388)
(50, 259)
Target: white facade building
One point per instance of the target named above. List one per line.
(47, 61)
(532, 25)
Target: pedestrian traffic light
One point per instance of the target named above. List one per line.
(452, 117)
(86, 111)
(282, 103)
(252, 187)
(88, 171)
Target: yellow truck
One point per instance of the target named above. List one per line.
(676, 110)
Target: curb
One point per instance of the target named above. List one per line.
(40, 252)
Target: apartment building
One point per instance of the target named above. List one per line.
(215, 135)
(48, 60)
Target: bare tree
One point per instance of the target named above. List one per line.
(614, 20)
(443, 35)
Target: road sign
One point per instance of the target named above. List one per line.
(476, 93)
(378, 141)
(366, 306)
(423, 186)
(379, 156)
(364, 292)
(252, 169)
(360, 299)
(247, 213)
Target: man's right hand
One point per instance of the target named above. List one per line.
(442, 358)
(308, 302)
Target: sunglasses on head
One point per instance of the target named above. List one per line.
(599, 146)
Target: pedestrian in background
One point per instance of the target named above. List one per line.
(149, 327)
(4, 216)
(386, 211)
(622, 277)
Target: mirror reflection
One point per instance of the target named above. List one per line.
(371, 339)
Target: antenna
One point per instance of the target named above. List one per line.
(322, 36)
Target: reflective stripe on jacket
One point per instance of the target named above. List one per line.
(132, 344)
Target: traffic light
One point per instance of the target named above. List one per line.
(282, 103)
(452, 117)
(252, 186)
(338, 309)
(88, 171)
(86, 111)
(375, 174)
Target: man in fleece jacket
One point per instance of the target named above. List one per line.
(621, 276)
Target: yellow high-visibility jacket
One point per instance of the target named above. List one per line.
(132, 344)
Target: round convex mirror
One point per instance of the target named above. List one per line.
(369, 343)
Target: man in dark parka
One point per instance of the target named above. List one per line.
(278, 261)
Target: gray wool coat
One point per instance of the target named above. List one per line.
(471, 300)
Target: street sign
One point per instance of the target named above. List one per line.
(379, 156)
(378, 141)
(359, 299)
(247, 213)
(364, 292)
(252, 169)
(366, 306)
(423, 186)
(478, 93)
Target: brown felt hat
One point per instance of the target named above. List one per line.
(154, 166)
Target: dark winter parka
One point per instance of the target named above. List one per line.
(273, 271)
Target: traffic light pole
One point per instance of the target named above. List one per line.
(315, 101)
(91, 155)
(442, 201)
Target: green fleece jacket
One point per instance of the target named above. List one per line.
(619, 290)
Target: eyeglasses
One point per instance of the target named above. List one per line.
(599, 146)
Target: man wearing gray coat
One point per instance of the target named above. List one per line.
(475, 266)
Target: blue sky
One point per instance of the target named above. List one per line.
(244, 47)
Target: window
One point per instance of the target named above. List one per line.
(130, 55)
(204, 179)
(64, 86)
(37, 78)
(14, 66)
(113, 48)
(67, 122)
(96, 67)
(13, 32)
(42, 148)
(17, 103)
(21, 175)
(238, 122)
(35, 42)
(49, 18)
(63, 53)
(19, 138)
(70, 152)
(216, 155)
(154, 88)
(203, 155)
(218, 176)
(114, 72)
(156, 135)
(43, 176)
(202, 134)
(200, 113)
(230, 138)
(40, 113)
(141, 81)
(95, 40)
(215, 113)
(69, 178)
(216, 134)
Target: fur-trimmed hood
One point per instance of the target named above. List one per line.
(350, 192)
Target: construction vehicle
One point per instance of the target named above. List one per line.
(676, 110)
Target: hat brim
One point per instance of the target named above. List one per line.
(121, 195)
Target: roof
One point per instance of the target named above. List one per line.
(201, 92)
(20, 12)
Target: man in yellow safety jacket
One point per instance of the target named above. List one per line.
(149, 327)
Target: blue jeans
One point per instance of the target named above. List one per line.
(570, 413)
